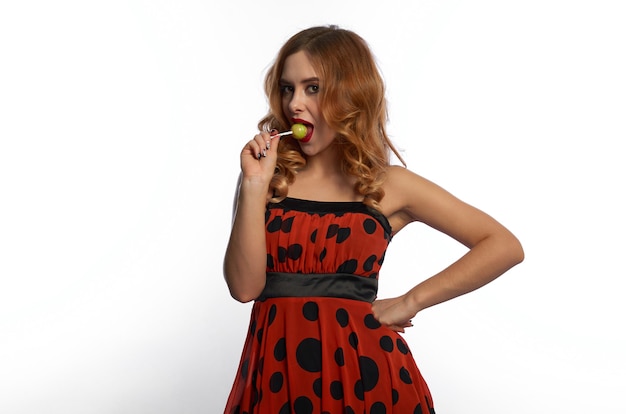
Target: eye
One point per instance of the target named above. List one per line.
(286, 89)
(313, 88)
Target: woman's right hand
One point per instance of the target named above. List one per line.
(246, 254)
(258, 157)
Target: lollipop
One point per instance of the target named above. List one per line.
(299, 131)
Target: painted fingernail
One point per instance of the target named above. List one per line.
(267, 144)
(258, 156)
(264, 153)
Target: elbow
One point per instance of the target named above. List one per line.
(244, 285)
(247, 291)
(515, 250)
(521, 254)
(244, 297)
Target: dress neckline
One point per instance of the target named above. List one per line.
(313, 206)
(323, 202)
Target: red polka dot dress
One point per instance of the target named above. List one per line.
(313, 345)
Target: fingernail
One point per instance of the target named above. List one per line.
(267, 144)
(264, 153)
(258, 156)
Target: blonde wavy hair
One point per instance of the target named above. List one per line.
(352, 101)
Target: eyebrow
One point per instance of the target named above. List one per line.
(307, 80)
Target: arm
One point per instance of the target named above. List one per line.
(246, 255)
(492, 248)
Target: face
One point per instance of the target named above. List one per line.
(300, 87)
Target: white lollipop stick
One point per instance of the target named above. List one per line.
(282, 134)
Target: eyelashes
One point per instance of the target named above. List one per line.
(289, 89)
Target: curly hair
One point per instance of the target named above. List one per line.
(352, 102)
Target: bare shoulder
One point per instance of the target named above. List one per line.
(404, 190)
(410, 197)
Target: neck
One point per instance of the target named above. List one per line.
(327, 163)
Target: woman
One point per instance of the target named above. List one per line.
(312, 223)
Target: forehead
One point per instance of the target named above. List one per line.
(298, 67)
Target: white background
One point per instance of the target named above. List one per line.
(120, 128)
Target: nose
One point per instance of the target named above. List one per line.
(297, 102)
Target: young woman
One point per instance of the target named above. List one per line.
(313, 219)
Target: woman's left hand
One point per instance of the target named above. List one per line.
(394, 313)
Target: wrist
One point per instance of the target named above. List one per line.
(253, 187)
(412, 301)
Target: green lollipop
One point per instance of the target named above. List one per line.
(299, 131)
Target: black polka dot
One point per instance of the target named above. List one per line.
(349, 266)
(280, 350)
(244, 368)
(368, 265)
(317, 387)
(285, 409)
(429, 403)
(418, 409)
(255, 397)
(270, 261)
(274, 225)
(313, 236)
(310, 310)
(369, 226)
(253, 327)
(358, 390)
(261, 364)
(332, 231)
(323, 254)
(285, 227)
(369, 372)
(336, 390)
(382, 259)
(378, 408)
(402, 346)
(354, 340)
(386, 343)
(405, 376)
(271, 315)
(371, 322)
(349, 410)
(309, 355)
(282, 254)
(343, 234)
(342, 317)
(294, 251)
(339, 357)
(276, 382)
(395, 396)
(303, 405)
(259, 335)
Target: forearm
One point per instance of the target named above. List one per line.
(484, 262)
(245, 258)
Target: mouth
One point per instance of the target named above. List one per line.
(309, 129)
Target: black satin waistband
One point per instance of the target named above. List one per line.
(338, 285)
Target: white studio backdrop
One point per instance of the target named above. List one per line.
(120, 128)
